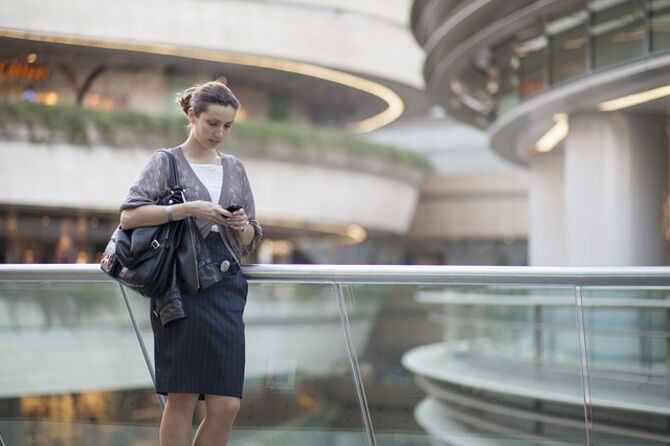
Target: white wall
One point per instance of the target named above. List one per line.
(616, 178)
(79, 177)
(546, 240)
(473, 206)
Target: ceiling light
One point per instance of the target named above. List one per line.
(555, 135)
(456, 87)
(356, 233)
(635, 99)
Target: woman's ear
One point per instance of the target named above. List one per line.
(191, 115)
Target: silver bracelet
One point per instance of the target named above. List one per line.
(168, 211)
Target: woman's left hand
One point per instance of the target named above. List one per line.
(238, 220)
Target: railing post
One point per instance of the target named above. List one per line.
(355, 369)
(537, 340)
(141, 341)
(584, 365)
(472, 335)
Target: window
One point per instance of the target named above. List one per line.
(660, 25)
(504, 74)
(567, 36)
(530, 49)
(617, 31)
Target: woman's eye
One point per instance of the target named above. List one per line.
(227, 126)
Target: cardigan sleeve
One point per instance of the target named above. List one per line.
(151, 184)
(250, 209)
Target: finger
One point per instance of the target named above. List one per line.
(220, 218)
(238, 224)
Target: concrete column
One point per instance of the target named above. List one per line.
(546, 236)
(616, 177)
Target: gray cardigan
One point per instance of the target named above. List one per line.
(153, 184)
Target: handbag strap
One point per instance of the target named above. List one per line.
(174, 186)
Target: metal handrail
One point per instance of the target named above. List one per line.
(389, 274)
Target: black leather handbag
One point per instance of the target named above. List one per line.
(150, 259)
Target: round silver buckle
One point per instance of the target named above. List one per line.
(225, 266)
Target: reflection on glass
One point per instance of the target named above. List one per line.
(472, 364)
(530, 49)
(617, 31)
(473, 92)
(503, 73)
(71, 371)
(298, 388)
(627, 334)
(568, 46)
(660, 25)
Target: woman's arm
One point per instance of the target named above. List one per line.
(151, 214)
(239, 221)
(247, 234)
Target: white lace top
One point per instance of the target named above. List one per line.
(211, 176)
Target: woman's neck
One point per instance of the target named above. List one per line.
(195, 153)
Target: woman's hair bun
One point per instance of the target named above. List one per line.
(184, 98)
(199, 97)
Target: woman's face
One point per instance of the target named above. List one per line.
(213, 124)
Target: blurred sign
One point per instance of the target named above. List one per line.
(14, 69)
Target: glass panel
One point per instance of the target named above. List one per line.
(568, 46)
(505, 72)
(530, 49)
(660, 25)
(617, 31)
(473, 94)
(71, 370)
(298, 387)
(469, 364)
(627, 335)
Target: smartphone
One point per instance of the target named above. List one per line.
(233, 208)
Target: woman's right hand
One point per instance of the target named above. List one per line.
(208, 211)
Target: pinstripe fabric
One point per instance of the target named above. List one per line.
(204, 353)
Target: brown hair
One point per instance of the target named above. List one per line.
(199, 97)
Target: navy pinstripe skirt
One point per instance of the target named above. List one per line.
(204, 352)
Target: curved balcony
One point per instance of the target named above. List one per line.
(305, 181)
(510, 69)
(345, 63)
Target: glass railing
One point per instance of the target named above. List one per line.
(357, 355)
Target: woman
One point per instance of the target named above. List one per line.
(201, 356)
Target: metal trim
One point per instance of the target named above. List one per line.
(386, 274)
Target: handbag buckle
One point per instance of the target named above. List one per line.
(155, 244)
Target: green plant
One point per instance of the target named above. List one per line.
(131, 129)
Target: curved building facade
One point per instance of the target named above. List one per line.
(577, 92)
(347, 66)
(320, 64)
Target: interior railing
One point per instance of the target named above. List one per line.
(369, 355)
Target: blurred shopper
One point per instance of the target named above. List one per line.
(202, 355)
